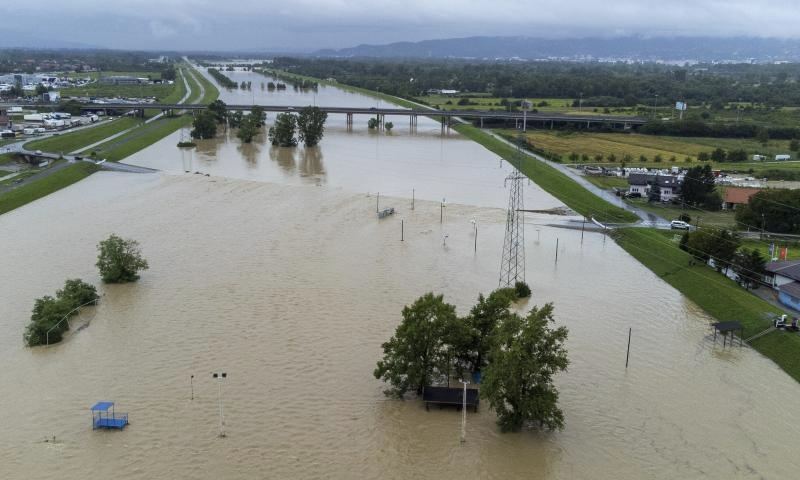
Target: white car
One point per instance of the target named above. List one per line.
(679, 225)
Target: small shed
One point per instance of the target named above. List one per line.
(103, 416)
(447, 396)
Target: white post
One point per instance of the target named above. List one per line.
(464, 413)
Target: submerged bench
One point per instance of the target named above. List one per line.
(447, 396)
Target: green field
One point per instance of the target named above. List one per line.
(668, 211)
(161, 92)
(722, 298)
(485, 102)
(38, 189)
(552, 181)
(635, 145)
(211, 94)
(72, 141)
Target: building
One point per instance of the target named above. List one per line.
(784, 276)
(642, 183)
(735, 196)
(118, 80)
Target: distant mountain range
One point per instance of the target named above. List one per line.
(702, 49)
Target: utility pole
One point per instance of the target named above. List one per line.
(441, 211)
(378, 203)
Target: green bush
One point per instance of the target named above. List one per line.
(522, 290)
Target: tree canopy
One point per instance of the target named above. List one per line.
(698, 186)
(47, 323)
(311, 125)
(120, 260)
(518, 380)
(282, 132)
(204, 125)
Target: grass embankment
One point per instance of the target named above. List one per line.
(211, 91)
(141, 138)
(70, 142)
(541, 105)
(719, 296)
(45, 186)
(552, 181)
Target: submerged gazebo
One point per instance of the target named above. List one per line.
(103, 416)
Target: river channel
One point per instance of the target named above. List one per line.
(282, 277)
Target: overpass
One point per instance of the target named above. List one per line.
(112, 166)
(446, 116)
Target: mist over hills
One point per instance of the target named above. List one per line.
(634, 48)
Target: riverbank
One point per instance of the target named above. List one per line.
(721, 297)
(64, 177)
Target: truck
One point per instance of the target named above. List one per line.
(782, 157)
(759, 158)
(62, 115)
(36, 117)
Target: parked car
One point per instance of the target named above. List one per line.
(679, 225)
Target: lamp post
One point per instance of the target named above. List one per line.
(220, 376)
(464, 412)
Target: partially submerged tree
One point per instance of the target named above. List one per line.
(311, 125)
(415, 354)
(518, 380)
(204, 125)
(48, 319)
(219, 109)
(120, 260)
(282, 132)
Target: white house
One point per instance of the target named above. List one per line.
(642, 183)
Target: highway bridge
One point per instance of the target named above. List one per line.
(446, 116)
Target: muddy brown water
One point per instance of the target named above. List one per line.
(291, 287)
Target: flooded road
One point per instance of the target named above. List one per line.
(290, 284)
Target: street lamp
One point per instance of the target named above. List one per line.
(464, 412)
(220, 376)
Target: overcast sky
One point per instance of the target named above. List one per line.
(312, 24)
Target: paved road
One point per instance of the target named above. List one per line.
(647, 219)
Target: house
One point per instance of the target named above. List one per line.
(784, 276)
(641, 183)
(735, 196)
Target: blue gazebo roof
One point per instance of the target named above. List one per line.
(102, 406)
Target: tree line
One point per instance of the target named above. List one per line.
(222, 79)
(601, 84)
(517, 355)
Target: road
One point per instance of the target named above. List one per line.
(74, 156)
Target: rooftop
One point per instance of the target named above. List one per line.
(785, 268)
(739, 195)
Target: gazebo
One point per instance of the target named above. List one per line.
(727, 327)
(103, 416)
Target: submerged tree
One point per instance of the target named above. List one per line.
(311, 125)
(219, 109)
(282, 132)
(248, 128)
(518, 380)
(416, 353)
(204, 125)
(120, 260)
(47, 319)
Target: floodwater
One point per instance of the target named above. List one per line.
(419, 162)
(290, 288)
